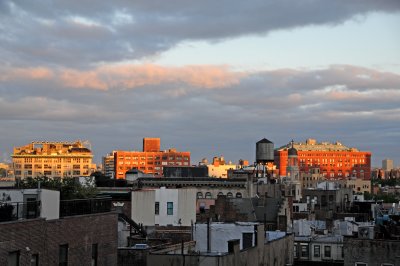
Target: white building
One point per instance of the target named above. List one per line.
(164, 206)
(32, 203)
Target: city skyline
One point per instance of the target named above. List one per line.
(209, 78)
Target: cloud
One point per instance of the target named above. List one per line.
(205, 109)
(80, 34)
(127, 76)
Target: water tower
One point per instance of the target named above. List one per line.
(264, 156)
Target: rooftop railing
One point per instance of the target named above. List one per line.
(11, 211)
(84, 206)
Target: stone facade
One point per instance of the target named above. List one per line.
(373, 252)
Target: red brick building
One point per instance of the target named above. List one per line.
(150, 161)
(334, 160)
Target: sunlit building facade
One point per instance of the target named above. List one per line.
(149, 160)
(52, 159)
(334, 160)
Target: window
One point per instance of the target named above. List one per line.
(327, 251)
(94, 254)
(304, 251)
(317, 251)
(208, 195)
(295, 251)
(238, 195)
(157, 208)
(63, 255)
(13, 258)
(199, 195)
(35, 260)
(229, 195)
(170, 208)
(361, 264)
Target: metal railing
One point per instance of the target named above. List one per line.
(11, 211)
(84, 206)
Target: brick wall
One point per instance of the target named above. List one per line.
(43, 237)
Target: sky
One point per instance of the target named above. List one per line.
(209, 77)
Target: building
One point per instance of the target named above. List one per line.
(36, 228)
(52, 159)
(387, 164)
(108, 165)
(163, 206)
(149, 160)
(229, 244)
(376, 245)
(328, 199)
(274, 213)
(359, 186)
(185, 171)
(319, 250)
(206, 187)
(311, 179)
(219, 168)
(335, 160)
(292, 180)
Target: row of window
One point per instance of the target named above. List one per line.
(163, 158)
(304, 251)
(51, 160)
(208, 195)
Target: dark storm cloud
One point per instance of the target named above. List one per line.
(80, 33)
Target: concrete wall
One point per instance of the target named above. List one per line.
(50, 204)
(186, 206)
(143, 202)
(163, 196)
(38, 236)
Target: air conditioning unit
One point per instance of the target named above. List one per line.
(366, 232)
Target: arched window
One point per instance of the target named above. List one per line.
(229, 195)
(220, 194)
(199, 195)
(238, 195)
(208, 195)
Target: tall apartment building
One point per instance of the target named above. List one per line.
(387, 164)
(150, 160)
(108, 164)
(334, 160)
(52, 159)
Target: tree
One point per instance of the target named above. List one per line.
(69, 188)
